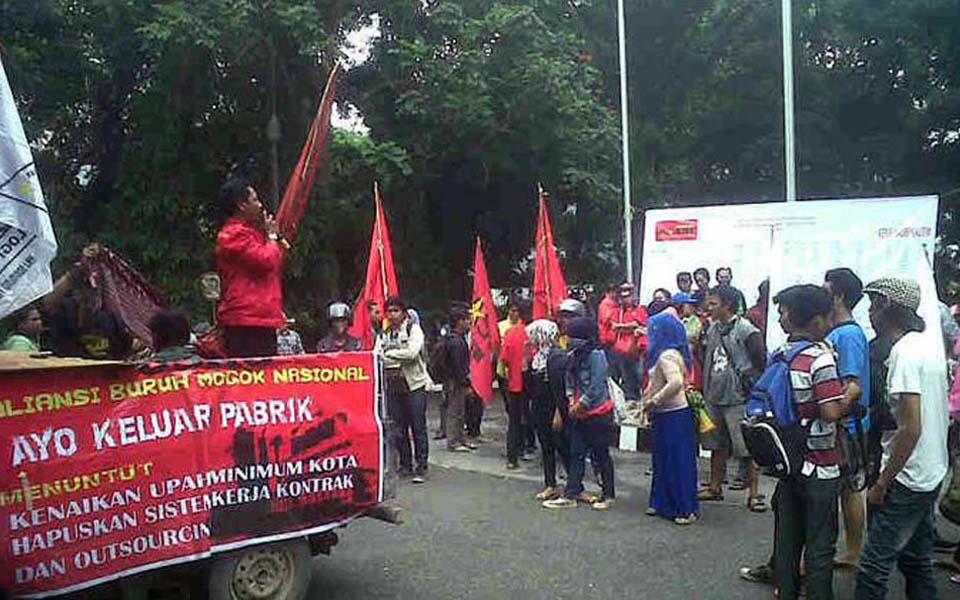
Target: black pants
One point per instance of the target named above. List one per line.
(806, 526)
(408, 412)
(529, 430)
(247, 342)
(515, 403)
(455, 395)
(474, 415)
(552, 443)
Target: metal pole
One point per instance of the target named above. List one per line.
(789, 154)
(625, 135)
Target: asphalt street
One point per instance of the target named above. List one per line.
(473, 531)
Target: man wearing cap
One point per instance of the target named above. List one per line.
(901, 502)
(631, 340)
(338, 339)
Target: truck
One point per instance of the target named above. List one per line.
(238, 470)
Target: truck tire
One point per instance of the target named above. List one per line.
(278, 571)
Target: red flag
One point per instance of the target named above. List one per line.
(549, 287)
(484, 334)
(301, 180)
(381, 282)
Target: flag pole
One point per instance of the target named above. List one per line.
(383, 266)
(625, 139)
(789, 152)
(543, 242)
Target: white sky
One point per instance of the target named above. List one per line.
(357, 50)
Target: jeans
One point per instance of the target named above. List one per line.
(806, 526)
(899, 531)
(408, 412)
(515, 403)
(456, 396)
(590, 434)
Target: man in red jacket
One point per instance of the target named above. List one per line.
(249, 261)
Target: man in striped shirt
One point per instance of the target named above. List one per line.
(806, 504)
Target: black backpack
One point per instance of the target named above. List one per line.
(437, 363)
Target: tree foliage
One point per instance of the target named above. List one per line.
(138, 110)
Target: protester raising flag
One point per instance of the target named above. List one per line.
(381, 281)
(301, 180)
(549, 287)
(27, 243)
(484, 334)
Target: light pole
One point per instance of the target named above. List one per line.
(789, 155)
(625, 135)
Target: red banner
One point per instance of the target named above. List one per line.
(112, 470)
(676, 231)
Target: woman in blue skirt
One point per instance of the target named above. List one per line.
(674, 492)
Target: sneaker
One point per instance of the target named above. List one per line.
(587, 497)
(604, 504)
(560, 503)
(463, 448)
(758, 574)
(527, 457)
(471, 446)
(512, 466)
(439, 436)
(419, 478)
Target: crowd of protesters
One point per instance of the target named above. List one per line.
(874, 416)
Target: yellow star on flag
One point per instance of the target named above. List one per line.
(477, 311)
(25, 188)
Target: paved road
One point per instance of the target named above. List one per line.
(474, 531)
(473, 535)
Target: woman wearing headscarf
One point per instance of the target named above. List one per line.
(543, 338)
(590, 415)
(674, 491)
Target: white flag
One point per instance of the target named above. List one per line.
(27, 243)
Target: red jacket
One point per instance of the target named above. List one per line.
(606, 313)
(249, 265)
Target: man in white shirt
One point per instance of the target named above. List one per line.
(901, 502)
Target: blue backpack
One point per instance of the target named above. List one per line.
(771, 430)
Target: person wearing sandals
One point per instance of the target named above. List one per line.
(542, 335)
(733, 355)
(673, 494)
(590, 415)
(853, 360)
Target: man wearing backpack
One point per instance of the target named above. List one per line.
(901, 502)
(850, 345)
(733, 356)
(806, 502)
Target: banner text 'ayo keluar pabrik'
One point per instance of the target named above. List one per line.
(111, 470)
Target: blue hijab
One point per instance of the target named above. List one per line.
(666, 332)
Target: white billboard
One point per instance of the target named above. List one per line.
(795, 242)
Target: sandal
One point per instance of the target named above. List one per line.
(708, 495)
(548, 493)
(738, 485)
(757, 504)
